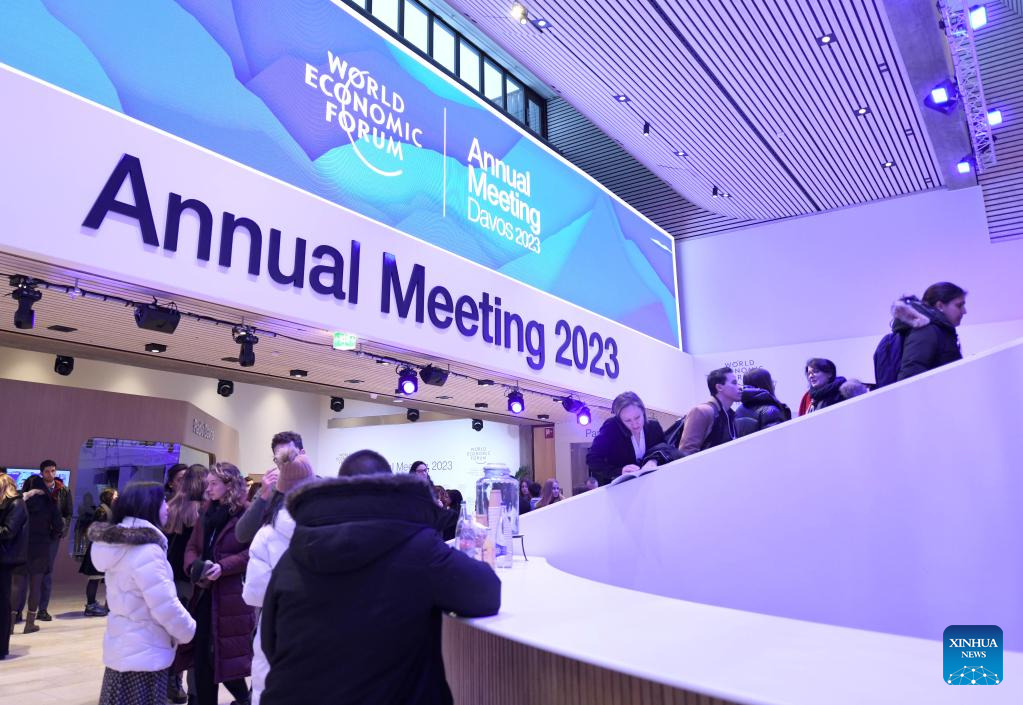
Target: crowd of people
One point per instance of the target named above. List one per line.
(923, 336)
(306, 588)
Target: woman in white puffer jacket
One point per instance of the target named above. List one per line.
(269, 544)
(146, 620)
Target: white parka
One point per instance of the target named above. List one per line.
(269, 544)
(146, 620)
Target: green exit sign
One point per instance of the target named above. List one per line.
(345, 341)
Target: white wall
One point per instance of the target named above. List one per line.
(897, 511)
(456, 453)
(833, 276)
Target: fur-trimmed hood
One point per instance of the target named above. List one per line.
(112, 542)
(346, 523)
(910, 312)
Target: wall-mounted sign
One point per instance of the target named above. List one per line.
(315, 96)
(202, 429)
(345, 341)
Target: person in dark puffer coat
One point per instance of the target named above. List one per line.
(216, 562)
(759, 408)
(353, 610)
(929, 328)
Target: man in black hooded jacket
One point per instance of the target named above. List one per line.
(353, 609)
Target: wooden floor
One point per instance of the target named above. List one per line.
(62, 662)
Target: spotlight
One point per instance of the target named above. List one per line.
(433, 375)
(412, 415)
(861, 112)
(826, 39)
(680, 153)
(225, 387)
(622, 98)
(26, 295)
(337, 404)
(477, 424)
(155, 348)
(543, 417)
(978, 16)
(646, 129)
(64, 365)
(715, 192)
(299, 374)
(516, 402)
(408, 383)
(888, 164)
(994, 117)
(161, 319)
(583, 417)
(518, 11)
(571, 405)
(943, 97)
(964, 167)
(245, 338)
(542, 23)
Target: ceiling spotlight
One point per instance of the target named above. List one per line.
(943, 97)
(541, 23)
(155, 348)
(337, 404)
(964, 167)
(246, 339)
(939, 95)
(477, 424)
(225, 387)
(888, 164)
(860, 112)
(826, 39)
(622, 98)
(412, 415)
(583, 416)
(994, 117)
(646, 129)
(543, 417)
(978, 16)
(64, 365)
(516, 402)
(408, 381)
(433, 375)
(571, 405)
(299, 373)
(481, 405)
(518, 12)
(680, 153)
(162, 319)
(26, 295)
(715, 192)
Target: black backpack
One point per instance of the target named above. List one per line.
(888, 359)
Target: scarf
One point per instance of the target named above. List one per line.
(213, 521)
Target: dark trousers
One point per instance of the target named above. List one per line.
(30, 587)
(5, 609)
(44, 599)
(205, 684)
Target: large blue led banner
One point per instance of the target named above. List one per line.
(310, 93)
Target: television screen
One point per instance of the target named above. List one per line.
(19, 475)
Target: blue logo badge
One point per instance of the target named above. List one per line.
(973, 654)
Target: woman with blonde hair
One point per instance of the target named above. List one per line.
(13, 551)
(551, 493)
(215, 560)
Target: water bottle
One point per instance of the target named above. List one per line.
(466, 533)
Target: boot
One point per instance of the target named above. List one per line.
(13, 620)
(30, 622)
(94, 609)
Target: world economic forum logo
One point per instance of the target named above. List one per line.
(973, 655)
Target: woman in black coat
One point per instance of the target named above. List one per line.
(623, 440)
(929, 330)
(760, 408)
(45, 525)
(13, 552)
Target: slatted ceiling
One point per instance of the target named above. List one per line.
(106, 330)
(764, 111)
(999, 46)
(1015, 6)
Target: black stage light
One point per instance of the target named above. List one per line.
(571, 405)
(155, 348)
(26, 295)
(337, 404)
(225, 387)
(408, 382)
(433, 375)
(412, 414)
(245, 338)
(516, 402)
(64, 365)
(477, 424)
(299, 374)
(583, 417)
(161, 319)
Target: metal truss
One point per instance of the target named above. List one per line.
(956, 14)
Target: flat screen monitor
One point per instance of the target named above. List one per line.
(19, 475)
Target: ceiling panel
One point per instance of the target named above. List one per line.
(763, 110)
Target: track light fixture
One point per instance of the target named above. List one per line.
(244, 336)
(477, 424)
(225, 387)
(64, 365)
(26, 294)
(162, 319)
(516, 402)
(433, 375)
(408, 381)
(583, 416)
(571, 405)
(337, 404)
(412, 415)
(646, 129)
